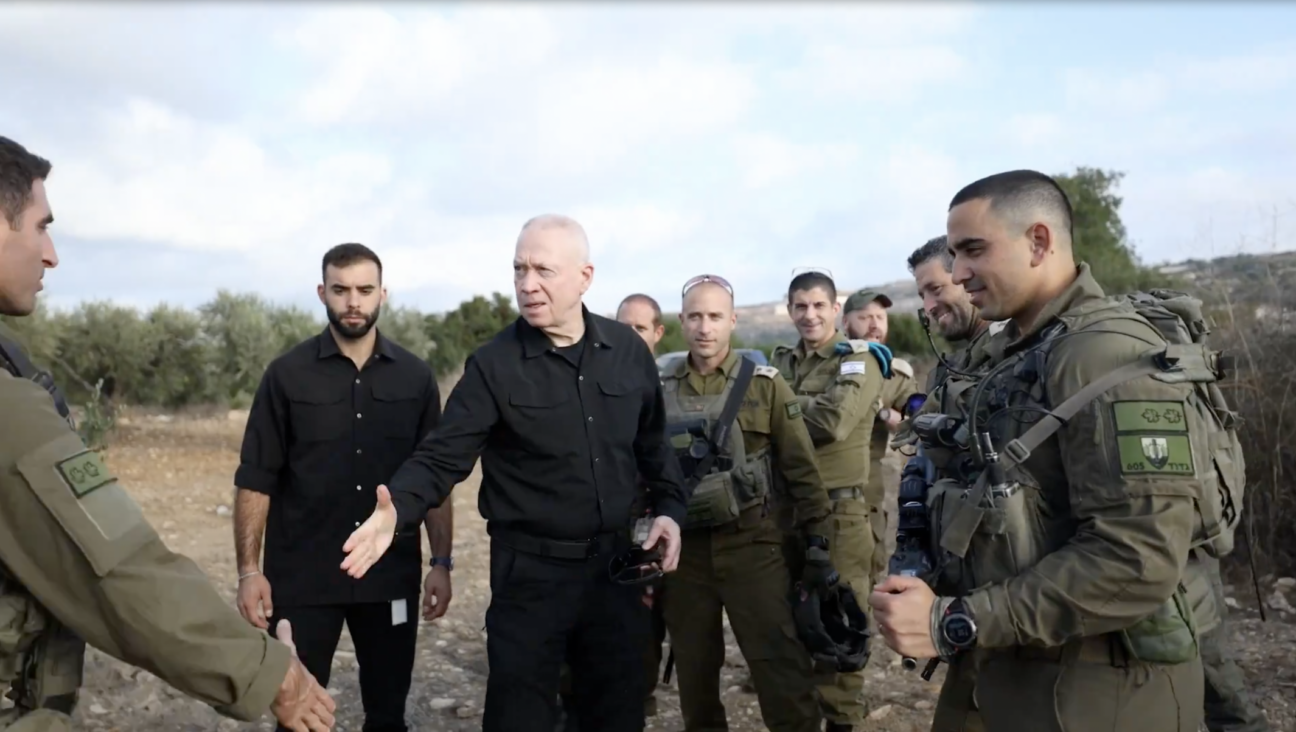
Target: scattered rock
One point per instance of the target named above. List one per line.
(1286, 583)
(1232, 603)
(881, 712)
(97, 708)
(439, 704)
(923, 705)
(466, 712)
(224, 511)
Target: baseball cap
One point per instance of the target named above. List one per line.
(863, 297)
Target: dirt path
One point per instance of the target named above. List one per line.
(180, 471)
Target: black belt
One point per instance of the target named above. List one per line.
(605, 543)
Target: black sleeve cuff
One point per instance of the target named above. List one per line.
(668, 505)
(256, 479)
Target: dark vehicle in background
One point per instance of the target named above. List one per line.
(668, 361)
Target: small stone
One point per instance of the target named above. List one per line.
(439, 704)
(465, 712)
(1232, 603)
(923, 705)
(881, 712)
(97, 709)
(1286, 583)
(224, 511)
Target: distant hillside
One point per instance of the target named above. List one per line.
(1251, 279)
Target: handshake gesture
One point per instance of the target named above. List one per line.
(301, 705)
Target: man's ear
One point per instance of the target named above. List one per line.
(1041, 240)
(319, 290)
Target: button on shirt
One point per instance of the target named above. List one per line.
(322, 435)
(562, 434)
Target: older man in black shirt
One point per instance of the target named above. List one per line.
(334, 418)
(565, 409)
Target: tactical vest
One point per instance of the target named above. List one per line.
(41, 661)
(983, 537)
(736, 481)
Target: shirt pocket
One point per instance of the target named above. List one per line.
(535, 415)
(318, 412)
(396, 408)
(620, 401)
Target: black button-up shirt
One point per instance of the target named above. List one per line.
(322, 435)
(562, 435)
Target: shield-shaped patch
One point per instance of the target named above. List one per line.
(1156, 451)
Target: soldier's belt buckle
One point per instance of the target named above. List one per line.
(636, 566)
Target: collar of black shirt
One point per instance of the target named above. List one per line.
(328, 345)
(535, 342)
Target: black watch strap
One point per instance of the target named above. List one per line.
(447, 562)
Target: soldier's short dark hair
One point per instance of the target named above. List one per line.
(19, 170)
(1017, 194)
(807, 281)
(647, 300)
(937, 247)
(345, 255)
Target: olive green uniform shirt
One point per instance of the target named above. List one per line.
(80, 546)
(1119, 536)
(839, 399)
(895, 392)
(769, 416)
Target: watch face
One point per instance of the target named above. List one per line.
(959, 630)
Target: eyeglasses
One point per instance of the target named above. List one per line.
(694, 282)
(636, 566)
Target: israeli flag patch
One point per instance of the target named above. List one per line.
(852, 367)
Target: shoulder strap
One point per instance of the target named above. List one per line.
(720, 430)
(17, 361)
(1017, 451)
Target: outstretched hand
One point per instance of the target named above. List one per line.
(301, 705)
(665, 530)
(367, 544)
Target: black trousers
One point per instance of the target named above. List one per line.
(384, 652)
(545, 609)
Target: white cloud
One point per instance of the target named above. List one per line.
(743, 140)
(166, 178)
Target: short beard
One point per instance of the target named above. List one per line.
(963, 326)
(353, 332)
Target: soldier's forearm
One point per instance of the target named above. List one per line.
(250, 511)
(439, 524)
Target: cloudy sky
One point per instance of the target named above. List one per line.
(198, 147)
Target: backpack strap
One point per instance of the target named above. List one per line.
(1017, 451)
(720, 430)
(18, 363)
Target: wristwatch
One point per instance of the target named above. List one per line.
(447, 562)
(957, 627)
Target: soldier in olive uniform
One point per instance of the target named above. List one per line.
(838, 383)
(864, 317)
(80, 564)
(959, 322)
(732, 557)
(1063, 558)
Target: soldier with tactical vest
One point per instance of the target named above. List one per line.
(864, 317)
(1079, 463)
(79, 563)
(838, 383)
(947, 307)
(739, 434)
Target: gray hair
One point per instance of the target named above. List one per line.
(544, 222)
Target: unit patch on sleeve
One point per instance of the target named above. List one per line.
(85, 473)
(1152, 438)
(793, 409)
(852, 367)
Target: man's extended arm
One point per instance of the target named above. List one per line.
(795, 458)
(72, 535)
(250, 511)
(658, 468)
(832, 416)
(446, 456)
(1133, 523)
